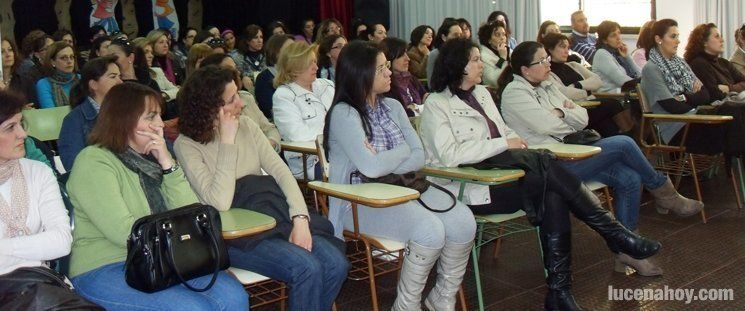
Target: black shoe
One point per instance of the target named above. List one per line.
(557, 259)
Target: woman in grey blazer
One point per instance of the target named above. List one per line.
(368, 134)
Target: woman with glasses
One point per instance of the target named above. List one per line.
(54, 90)
(405, 88)
(461, 125)
(537, 110)
(300, 103)
(328, 53)
(613, 61)
(369, 134)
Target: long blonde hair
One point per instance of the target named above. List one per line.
(294, 59)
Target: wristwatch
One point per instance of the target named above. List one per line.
(301, 216)
(173, 168)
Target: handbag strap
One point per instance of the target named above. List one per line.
(438, 210)
(215, 256)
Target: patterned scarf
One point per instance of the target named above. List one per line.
(630, 71)
(678, 75)
(59, 79)
(385, 134)
(151, 176)
(14, 215)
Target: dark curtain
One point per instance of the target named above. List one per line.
(339, 9)
(31, 15)
(237, 14)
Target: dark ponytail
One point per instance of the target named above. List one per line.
(521, 56)
(659, 28)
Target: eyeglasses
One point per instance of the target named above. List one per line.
(544, 61)
(340, 46)
(383, 67)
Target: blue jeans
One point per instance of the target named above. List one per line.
(106, 286)
(623, 167)
(314, 278)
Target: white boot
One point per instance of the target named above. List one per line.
(418, 261)
(450, 271)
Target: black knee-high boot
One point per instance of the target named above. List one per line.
(586, 207)
(556, 240)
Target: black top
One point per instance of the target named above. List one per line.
(567, 75)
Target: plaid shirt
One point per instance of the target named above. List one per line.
(385, 133)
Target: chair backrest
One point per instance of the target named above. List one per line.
(322, 157)
(653, 135)
(45, 124)
(643, 103)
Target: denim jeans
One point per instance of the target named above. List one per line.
(623, 167)
(106, 286)
(314, 278)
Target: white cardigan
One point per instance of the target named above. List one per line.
(591, 82)
(300, 115)
(453, 133)
(47, 219)
(527, 110)
(491, 70)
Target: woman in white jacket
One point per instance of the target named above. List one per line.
(460, 125)
(494, 51)
(612, 61)
(535, 108)
(577, 83)
(300, 103)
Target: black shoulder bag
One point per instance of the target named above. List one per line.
(412, 180)
(169, 248)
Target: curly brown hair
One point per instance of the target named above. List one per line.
(697, 40)
(200, 99)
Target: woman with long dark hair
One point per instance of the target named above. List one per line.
(369, 134)
(420, 43)
(405, 88)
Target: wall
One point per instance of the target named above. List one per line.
(683, 11)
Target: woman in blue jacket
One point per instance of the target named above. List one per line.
(54, 90)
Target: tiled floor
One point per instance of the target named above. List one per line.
(694, 256)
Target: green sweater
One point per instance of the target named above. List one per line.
(108, 199)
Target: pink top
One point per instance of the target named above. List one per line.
(639, 57)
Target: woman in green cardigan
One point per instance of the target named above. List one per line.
(124, 174)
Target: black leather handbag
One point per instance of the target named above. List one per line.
(172, 247)
(582, 137)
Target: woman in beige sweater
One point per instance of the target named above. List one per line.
(222, 152)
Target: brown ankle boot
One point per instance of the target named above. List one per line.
(643, 267)
(667, 198)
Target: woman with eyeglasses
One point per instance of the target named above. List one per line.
(331, 26)
(612, 60)
(461, 125)
(328, 53)
(54, 90)
(369, 134)
(537, 110)
(405, 88)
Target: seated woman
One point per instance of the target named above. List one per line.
(132, 63)
(376, 33)
(612, 60)
(420, 43)
(99, 75)
(218, 148)
(669, 84)
(703, 54)
(640, 54)
(34, 226)
(249, 54)
(738, 57)
(577, 82)
(370, 134)
(405, 88)
(250, 109)
(197, 53)
(477, 132)
(54, 90)
(264, 89)
(494, 51)
(300, 103)
(163, 57)
(549, 27)
(328, 54)
(540, 114)
(106, 187)
(167, 89)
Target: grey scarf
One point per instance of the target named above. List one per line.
(679, 77)
(151, 177)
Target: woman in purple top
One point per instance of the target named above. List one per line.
(405, 87)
